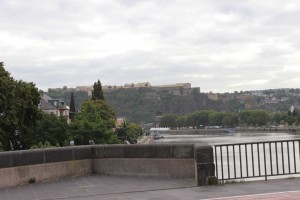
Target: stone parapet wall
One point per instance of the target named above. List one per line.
(22, 167)
(176, 168)
(44, 156)
(21, 175)
(165, 160)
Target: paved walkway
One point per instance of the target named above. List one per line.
(144, 188)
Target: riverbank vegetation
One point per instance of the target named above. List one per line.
(247, 118)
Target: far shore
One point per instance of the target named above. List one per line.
(225, 131)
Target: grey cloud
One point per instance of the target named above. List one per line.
(212, 44)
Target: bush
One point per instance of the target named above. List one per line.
(212, 180)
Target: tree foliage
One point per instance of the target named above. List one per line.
(168, 121)
(72, 107)
(133, 131)
(18, 110)
(51, 130)
(230, 120)
(95, 122)
(24, 126)
(97, 93)
(198, 119)
(129, 131)
(72, 103)
(247, 118)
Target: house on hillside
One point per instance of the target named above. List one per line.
(54, 106)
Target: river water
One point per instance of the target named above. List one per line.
(248, 167)
(226, 138)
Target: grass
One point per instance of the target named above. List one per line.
(214, 181)
(234, 181)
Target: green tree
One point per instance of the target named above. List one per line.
(198, 119)
(254, 118)
(49, 129)
(291, 120)
(95, 122)
(276, 117)
(191, 120)
(27, 99)
(8, 117)
(97, 93)
(230, 120)
(244, 115)
(215, 118)
(18, 111)
(168, 121)
(72, 107)
(181, 121)
(133, 131)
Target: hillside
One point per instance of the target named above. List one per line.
(142, 104)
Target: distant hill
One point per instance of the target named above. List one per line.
(142, 104)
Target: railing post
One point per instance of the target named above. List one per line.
(204, 163)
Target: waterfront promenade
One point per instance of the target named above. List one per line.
(94, 187)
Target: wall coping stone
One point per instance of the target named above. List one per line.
(144, 151)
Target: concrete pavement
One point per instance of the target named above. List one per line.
(145, 188)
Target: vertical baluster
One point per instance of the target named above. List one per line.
(276, 151)
(271, 163)
(288, 155)
(240, 161)
(258, 155)
(252, 159)
(228, 162)
(294, 157)
(216, 158)
(246, 153)
(283, 170)
(298, 154)
(234, 166)
(265, 160)
(222, 171)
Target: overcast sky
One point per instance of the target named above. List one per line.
(217, 45)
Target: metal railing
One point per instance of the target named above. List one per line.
(258, 159)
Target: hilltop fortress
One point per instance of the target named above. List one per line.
(177, 88)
